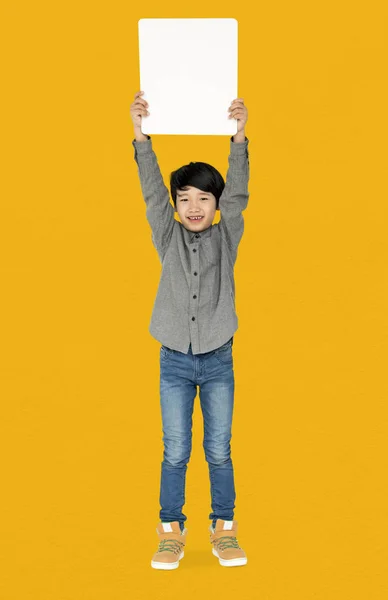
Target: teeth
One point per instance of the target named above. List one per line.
(195, 218)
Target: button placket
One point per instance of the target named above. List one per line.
(195, 264)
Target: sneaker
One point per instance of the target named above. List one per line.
(225, 545)
(171, 542)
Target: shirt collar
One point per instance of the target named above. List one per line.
(190, 236)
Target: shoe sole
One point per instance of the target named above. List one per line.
(233, 562)
(167, 566)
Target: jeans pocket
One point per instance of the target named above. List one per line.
(224, 353)
(165, 353)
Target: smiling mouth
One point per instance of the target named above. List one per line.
(195, 218)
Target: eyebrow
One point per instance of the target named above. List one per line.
(200, 193)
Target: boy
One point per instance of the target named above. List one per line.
(194, 319)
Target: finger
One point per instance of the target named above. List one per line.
(240, 110)
(139, 109)
(138, 99)
(140, 102)
(236, 105)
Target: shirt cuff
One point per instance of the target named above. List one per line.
(239, 148)
(143, 147)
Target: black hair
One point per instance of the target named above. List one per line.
(200, 175)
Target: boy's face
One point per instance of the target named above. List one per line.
(193, 202)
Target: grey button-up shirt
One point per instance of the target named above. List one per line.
(195, 301)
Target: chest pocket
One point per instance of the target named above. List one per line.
(210, 252)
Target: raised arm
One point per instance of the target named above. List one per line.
(234, 198)
(159, 210)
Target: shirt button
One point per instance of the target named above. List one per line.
(197, 235)
(194, 296)
(195, 272)
(194, 250)
(193, 318)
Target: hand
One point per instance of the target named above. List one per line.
(138, 108)
(240, 112)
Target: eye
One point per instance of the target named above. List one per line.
(184, 199)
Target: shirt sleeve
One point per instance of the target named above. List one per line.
(159, 210)
(234, 198)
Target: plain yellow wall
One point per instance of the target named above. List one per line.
(79, 372)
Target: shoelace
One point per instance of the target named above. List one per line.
(170, 546)
(226, 541)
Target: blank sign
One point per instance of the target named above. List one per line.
(188, 72)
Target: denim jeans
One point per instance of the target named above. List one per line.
(180, 374)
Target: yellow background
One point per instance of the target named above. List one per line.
(79, 373)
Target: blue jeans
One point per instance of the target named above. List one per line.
(179, 376)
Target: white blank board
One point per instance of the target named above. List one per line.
(188, 72)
